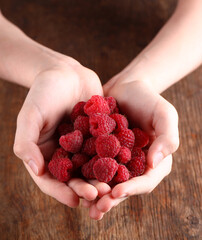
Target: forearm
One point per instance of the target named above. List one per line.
(174, 52)
(21, 59)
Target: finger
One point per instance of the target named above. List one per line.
(52, 187)
(102, 188)
(107, 202)
(83, 189)
(94, 213)
(145, 183)
(107, 86)
(29, 124)
(165, 123)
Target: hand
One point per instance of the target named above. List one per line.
(159, 119)
(53, 94)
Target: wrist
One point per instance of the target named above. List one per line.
(133, 72)
(51, 60)
(143, 68)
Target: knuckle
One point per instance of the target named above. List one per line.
(174, 143)
(169, 111)
(74, 75)
(17, 149)
(19, 117)
(91, 74)
(44, 190)
(25, 115)
(149, 191)
(169, 169)
(174, 112)
(72, 61)
(172, 109)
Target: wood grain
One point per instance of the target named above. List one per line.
(104, 36)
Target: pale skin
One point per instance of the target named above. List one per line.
(172, 54)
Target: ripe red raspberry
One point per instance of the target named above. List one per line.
(60, 153)
(107, 146)
(61, 168)
(136, 166)
(126, 138)
(122, 174)
(78, 110)
(124, 155)
(105, 169)
(121, 122)
(72, 142)
(79, 160)
(82, 123)
(137, 152)
(141, 138)
(89, 146)
(111, 102)
(101, 124)
(65, 128)
(87, 168)
(96, 104)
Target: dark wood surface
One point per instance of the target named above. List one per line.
(104, 36)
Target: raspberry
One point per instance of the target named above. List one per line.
(126, 138)
(104, 169)
(122, 174)
(141, 138)
(136, 166)
(72, 142)
(60, 153)
(78, 160)
(87, 168)
(137, 152)
(124, 155)
(60, 168)
(65, 128)
(107, 146)
(89, 146)
(82, 123)
(101, 124)
(100, 133)
(77, 110)
(111, 102)
(121, 122)
(96, 104)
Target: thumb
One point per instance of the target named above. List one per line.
(165, 123)
(109, 85)
(29, 124)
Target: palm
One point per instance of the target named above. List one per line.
(54, 105)
(150, 111)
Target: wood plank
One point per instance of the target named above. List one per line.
(104, 36)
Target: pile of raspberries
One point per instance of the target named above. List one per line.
(98, 144)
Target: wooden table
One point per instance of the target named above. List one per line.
(104, 36)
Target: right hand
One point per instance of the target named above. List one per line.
(53, 94)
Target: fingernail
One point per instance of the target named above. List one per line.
(123, 195)
(33, 166)
(158, 158)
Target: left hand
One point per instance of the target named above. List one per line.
(159, 119)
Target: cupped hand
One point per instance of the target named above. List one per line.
(53, 94)
(148, 110)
